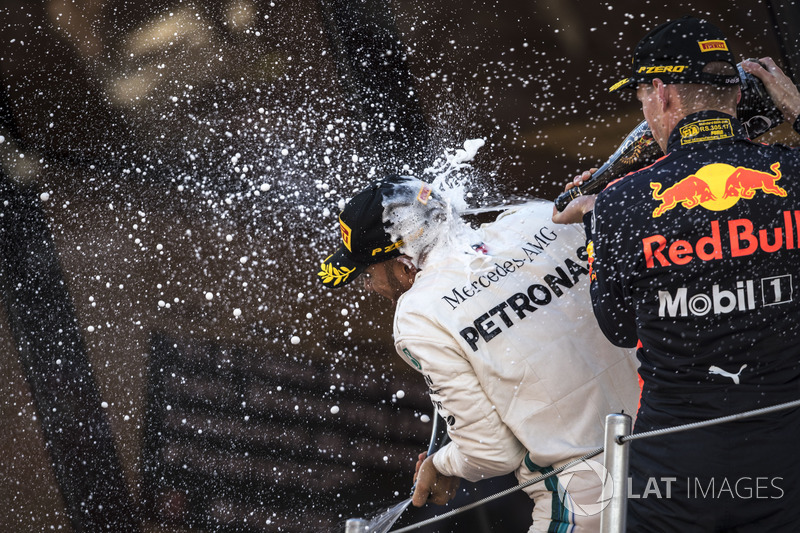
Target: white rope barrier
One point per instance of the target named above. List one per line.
(712, 422)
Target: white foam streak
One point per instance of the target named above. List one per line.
(454, 161)
(446, 232)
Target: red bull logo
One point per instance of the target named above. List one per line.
(744, 182)
(717, 187)
(690, 192)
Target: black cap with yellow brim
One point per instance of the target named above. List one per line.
(677, 52)
(365, 241)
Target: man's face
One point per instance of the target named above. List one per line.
(390, 278)
(649, 99)
(648, 95)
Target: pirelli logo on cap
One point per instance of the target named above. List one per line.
(711, 46)
(346, 233)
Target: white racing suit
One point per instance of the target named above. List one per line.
(505, 337)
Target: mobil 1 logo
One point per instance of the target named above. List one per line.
(741, 296)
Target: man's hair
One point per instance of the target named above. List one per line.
(698, 96)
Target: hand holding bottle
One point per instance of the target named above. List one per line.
(779, 86)
(574, 211)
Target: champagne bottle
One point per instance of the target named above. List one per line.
(756, 110)
(638, 150)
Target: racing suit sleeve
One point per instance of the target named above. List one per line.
(481, 446)
(613, 311)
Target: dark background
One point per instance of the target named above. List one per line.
(167, 163)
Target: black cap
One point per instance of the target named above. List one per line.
(677, 52)
(365, 240)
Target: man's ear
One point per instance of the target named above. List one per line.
(409, 267)
(407, 263)
(662, 93)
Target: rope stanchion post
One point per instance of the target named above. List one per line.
(612, 517)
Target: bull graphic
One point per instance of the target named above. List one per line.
(744, 182)
(690, 191)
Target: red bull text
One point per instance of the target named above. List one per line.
(742, 237)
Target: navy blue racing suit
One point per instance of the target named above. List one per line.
(695, 261)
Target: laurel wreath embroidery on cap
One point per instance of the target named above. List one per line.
(331, 273)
